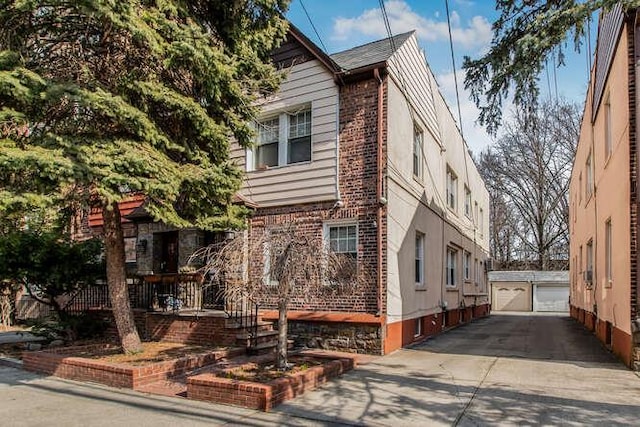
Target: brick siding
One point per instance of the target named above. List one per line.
(358, 173)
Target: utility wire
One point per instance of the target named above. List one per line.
(385, 18)
(453, 61)
(324, 48)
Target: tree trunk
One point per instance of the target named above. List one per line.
(117, 280)
(282, 334)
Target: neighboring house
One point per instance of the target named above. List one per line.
(604, 193)
(358, 148)
(529, 291)
(361, 149)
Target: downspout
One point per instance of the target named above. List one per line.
(338, 195)
(636, 67)
(379, 196)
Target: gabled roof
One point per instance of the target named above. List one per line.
(377, 52)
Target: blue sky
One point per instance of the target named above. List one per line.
(343, 24)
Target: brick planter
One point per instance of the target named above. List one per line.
(264, 396)
(61, 363)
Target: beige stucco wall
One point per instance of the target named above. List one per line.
(417, 204)
(610, 200)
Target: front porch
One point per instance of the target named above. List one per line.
(183, 308)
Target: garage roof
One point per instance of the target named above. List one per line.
(529, 276)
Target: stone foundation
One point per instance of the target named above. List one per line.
(346, 337)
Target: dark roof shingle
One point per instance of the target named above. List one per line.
(370, 53)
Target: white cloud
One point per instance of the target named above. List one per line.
(476, 136)
(476, 34)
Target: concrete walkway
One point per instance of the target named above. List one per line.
(505, 370)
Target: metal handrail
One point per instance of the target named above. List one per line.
(243, 310)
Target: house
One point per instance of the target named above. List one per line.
(604, 193)
(528, 290)
(358, 148)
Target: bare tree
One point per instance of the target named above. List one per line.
(527, 171)
(286, 260)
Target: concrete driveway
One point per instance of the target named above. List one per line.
(504, 370)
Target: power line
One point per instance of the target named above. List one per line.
(324, 48)
(453, 61)
(385, 18)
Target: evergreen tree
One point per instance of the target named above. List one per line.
(525, 35)
(100, 99)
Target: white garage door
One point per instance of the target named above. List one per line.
(551, 298)
(511, 297)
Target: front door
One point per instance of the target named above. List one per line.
(169, 260)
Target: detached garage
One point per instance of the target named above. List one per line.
(529, 291)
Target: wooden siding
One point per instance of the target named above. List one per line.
(409, 68)
(308, 83)
(609, 32)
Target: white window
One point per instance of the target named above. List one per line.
(452, 189)
(467, 202)
(481, 222)
(418, 328)
(475, 212)
(467, 265)
(343, 239)
(418, 138)
(590, 256)
(477, 272)
(282, 140)
(452, 255)
(267, 263)
(608, 251)
(419, 261)
(589, 181)
(608, 143)
(266, 151)
(299, 138)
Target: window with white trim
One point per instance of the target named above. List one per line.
(267, 262)
(467, 202)
(282, 140)
(452, 189)
(419, 260)
(417, 331)
(608, 249)
(452, 260)
(481, 222)
(608, 143)
(589, 181)
(467, 265)
(418, 138)
(343, 239)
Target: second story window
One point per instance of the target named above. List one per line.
(299, 138)
(467, 202)
(608, 143)
(452, 189)
(266, 152)
(589, 181)
(418, 138)
(282, 140)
